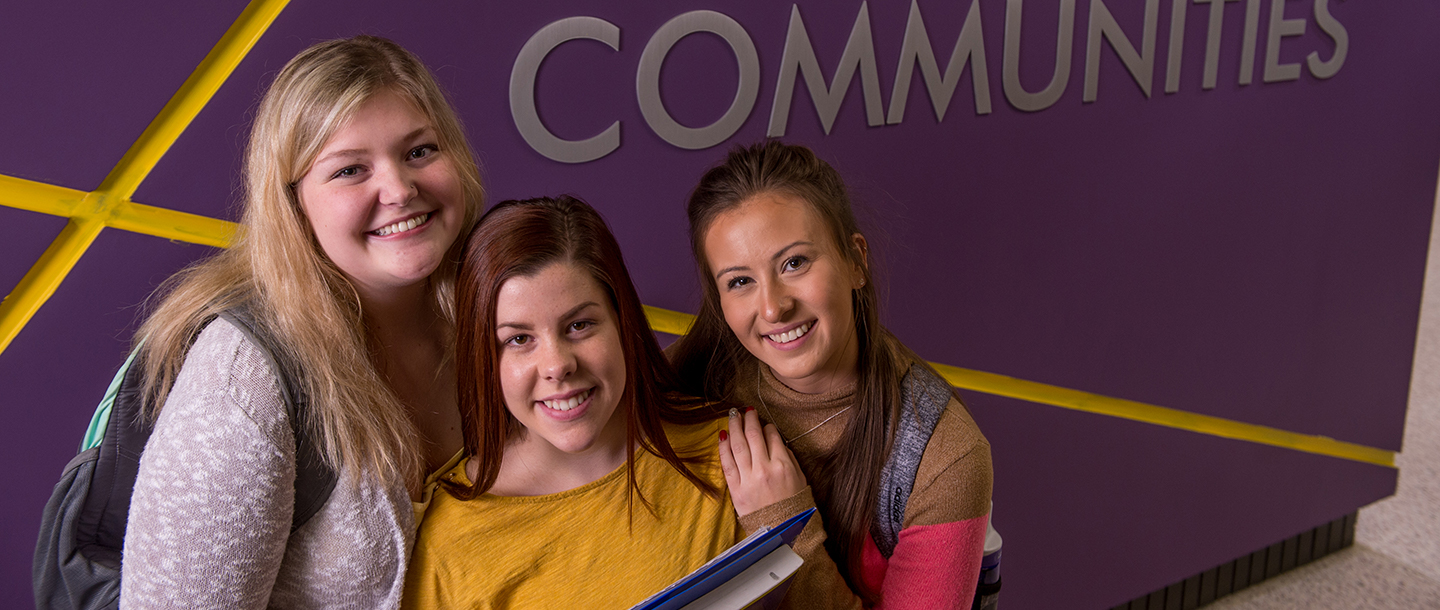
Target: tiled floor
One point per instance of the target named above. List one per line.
(1395, 562)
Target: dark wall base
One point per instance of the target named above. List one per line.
(1246, 570)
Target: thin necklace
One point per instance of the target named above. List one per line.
(766, 408)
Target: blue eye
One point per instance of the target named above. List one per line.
(346, 172)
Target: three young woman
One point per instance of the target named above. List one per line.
(358, 180)
(789, 323)
(583, 452)
(591, 481)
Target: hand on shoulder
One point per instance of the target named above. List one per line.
(759, 469)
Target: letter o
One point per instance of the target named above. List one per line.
(647, 79)
(522, 91)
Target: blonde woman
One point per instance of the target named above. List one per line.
(358, 181)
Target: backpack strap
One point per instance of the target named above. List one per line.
(313, 479)
(923, 397)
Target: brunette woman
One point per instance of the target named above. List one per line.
(591, 482)
(789, 323)
(358, 181)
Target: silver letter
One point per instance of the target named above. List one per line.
(1177, 45)
(522, 91)
(1212, 41)
(1252, 32)
(647, 79)
(1103, 25)
(1333, 29)
(799, 54)
(1280, 26)
(1010, 66)
(969, 47)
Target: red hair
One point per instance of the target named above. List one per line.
(518, 239)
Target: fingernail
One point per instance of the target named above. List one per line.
(724, 435)
(734, 413)
(749, 409)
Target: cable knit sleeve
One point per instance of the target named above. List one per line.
(211, 511)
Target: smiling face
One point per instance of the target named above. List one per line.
(383, 198)
(785, 289)
(562, 368)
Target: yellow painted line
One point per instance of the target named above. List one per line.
(172, 224)
(191, 98)
(39, 197)
(1000, 385)
(669, 322)
(42, 279)
(675, 323)
(110, 204)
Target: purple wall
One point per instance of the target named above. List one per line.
(1249, 252)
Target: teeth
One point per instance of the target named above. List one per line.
(402, 226)
(792, 335)
(569, 403)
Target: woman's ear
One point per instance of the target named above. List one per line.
(862, 250)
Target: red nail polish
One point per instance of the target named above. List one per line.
(724, 435)
(749, 409)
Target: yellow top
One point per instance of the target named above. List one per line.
(578, 548)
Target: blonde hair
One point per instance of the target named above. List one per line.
(277, 269)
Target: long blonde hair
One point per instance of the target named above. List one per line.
(277, 269)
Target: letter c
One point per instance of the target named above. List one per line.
(522, 91)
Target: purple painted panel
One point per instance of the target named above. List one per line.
(1095, 512)
(1252, 252)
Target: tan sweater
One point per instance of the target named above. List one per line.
(952, 485)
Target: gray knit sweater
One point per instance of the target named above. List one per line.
(210, 516)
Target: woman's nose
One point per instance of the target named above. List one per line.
(776, 302)
(396, 186)
(557, 361)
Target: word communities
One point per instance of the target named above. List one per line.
(798, 60)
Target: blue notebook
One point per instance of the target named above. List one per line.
(727, 565)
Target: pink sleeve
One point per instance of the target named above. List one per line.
(933, 566)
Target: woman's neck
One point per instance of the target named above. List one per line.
(533, 467)
(392, 315)
(410, 343)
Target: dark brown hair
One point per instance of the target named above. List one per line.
(519, 239)
(846, 480)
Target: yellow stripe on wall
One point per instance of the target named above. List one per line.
(676, 323)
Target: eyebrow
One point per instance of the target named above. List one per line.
(567, 315)
(778, 255)
(351, 152)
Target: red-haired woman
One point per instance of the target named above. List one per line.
(571, 417)
(899, 470)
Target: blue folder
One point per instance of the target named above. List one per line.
(727, 566)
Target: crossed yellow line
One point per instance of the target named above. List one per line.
(110, 206)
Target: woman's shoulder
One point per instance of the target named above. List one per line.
(224, 367)
(697, 437)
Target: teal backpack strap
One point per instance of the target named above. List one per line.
(923, 397)
(96, 432)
